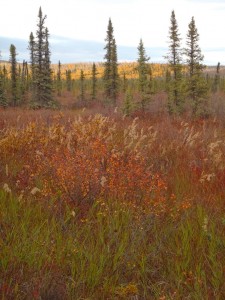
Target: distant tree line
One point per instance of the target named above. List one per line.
(35, 84)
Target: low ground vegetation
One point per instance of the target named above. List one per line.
(101, 206)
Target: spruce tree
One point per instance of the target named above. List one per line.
(110, 76)
(94, 82)
(23, 80)
(3, 101)
(47, 73)
(196, 86)
(143, 72)
(175, 87)
(13, 75)
(39, 54)
(107, 77)
(82, 92)
(19, 84)
(25, 74)
(68, 80)
(41, 64)
(59, 80)
(124, 83)
(128, 104)
(115, 74)
(216, 81)
(151, 81)
(31, 47)
(5, 78)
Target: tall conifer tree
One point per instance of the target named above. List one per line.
(143, 73)
(59, 79)
(94, 82)
(5, 77)
(111, 77)
(3, 101)
(197, 85)
(124, 83)
(115, 74)
(82, 92)
(175, 86)
(41, 64)
(216, 81)
(13, 75)
(31, 47)
(24, 77)
(47, 73)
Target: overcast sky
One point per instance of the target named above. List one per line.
(132, 20)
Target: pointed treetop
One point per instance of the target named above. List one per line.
(110, 21)
(142, 53)
(173, 14)
(31, 35)
(173, 31)
(110, 26)
(40, 12)
(218, 68)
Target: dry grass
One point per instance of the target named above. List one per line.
(99, 206)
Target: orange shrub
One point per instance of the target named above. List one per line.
(81, 161)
